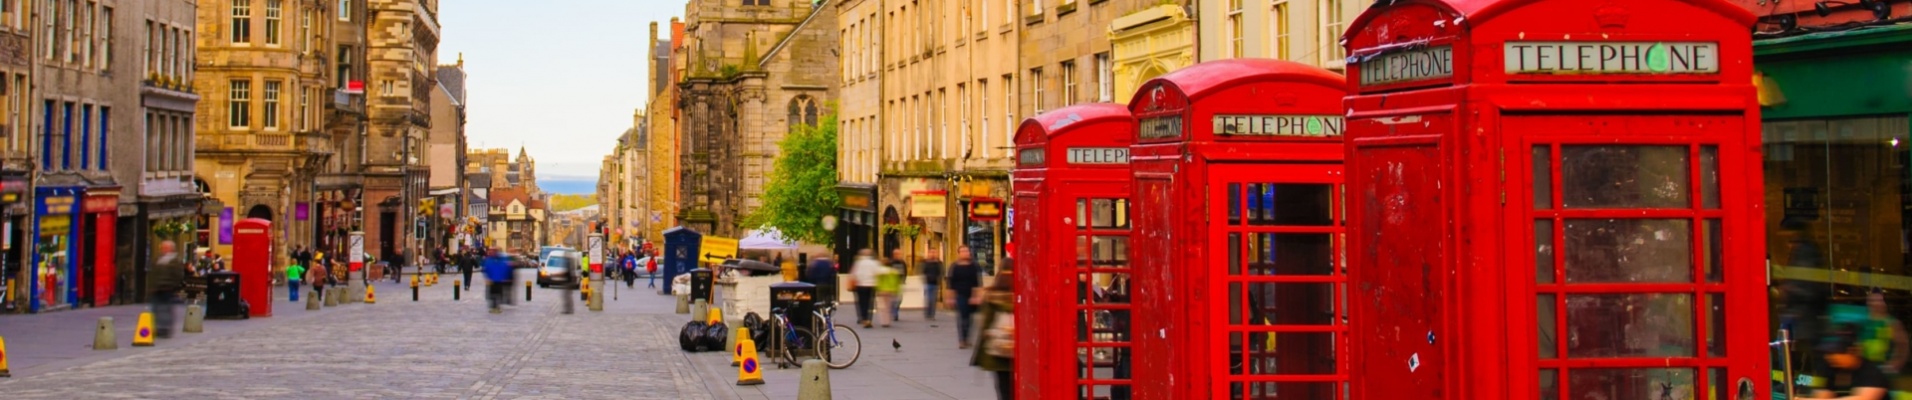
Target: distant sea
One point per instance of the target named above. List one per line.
(568, 186)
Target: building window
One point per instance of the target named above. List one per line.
(66, 136)
(106, 128)
(386, 88)
(1008, 108)
(10, 13)
(305, 31)
(756, 2)
(153, 144)
(152, 55)
(241, 21)
(51, 33)
(84, 46)
(1278, 24)
(106, 37)
(1069, 81)
(345, 10)
(1333, 21)
(72, 35)
(305, 104)
(46, 134)
(274, 9)
(982, 108)
(803, 110)
(962, 122)
(86, 136)
(345, 68)
(1104, 78)
(1035, 89)
(1235, 29)
(271, 114)
(239, 105)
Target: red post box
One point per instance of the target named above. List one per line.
(1072, 215)
(252, 260)
(1555, 199)
(1237, 167)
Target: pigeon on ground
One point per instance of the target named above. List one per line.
(896, 345)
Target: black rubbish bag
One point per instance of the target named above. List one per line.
(759, 328)
(688, 337)
(713, 337)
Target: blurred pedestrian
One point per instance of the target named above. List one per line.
(965, 278)
(168, 279)
(932, 268)
(650, 268)
(1844, 372)
(863, 283)
(497, 273)
(1884, 337)
(318, 276)
(996, 351)
(889, 286)
(293, 275)
(822, 272)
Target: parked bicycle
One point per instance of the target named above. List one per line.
(838, 346)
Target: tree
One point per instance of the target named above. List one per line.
(802, 185)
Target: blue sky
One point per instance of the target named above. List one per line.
(559, 77)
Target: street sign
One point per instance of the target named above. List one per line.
(596, 246)
(718, 249)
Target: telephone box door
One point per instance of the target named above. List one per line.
(1279, 309)
(252, 260)
(1100, 280)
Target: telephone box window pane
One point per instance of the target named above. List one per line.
(1715, 272)
(1632, 383)
(1236, 304)
(1709, 177)
(1543, 178)
(1102, 363)
(1287, 254)
(1283, 390)
(1109, 251)
(1629, 250)
(1624, 176)
(1716, 382)
(1104, 287)
(1547, 320)
(1543, 251)
(1549, 385)
(1082, 213)
(1283, 353)
(1234, 253)
(1272, 303)
(1716, 324)
(1109, 214)
(1291, 204)
(1234, 203)
(1630, 325)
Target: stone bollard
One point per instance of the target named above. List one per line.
(103, 337)
(596, 303)
(312, 302)
(699, 310)
(195, 319)
(683, 303)
(814, 382)
(343, 299)
(331, 298)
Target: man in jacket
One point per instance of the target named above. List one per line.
(822, 273)
(964, 277)
(863, 276)
(497, 275)
(167, 279)
(932, 267)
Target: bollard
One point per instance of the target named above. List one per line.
(741, 333)
(699, 311)
(749, 371)
(683, 303)
(596, 303)
(143, 331)
(195, 319)
(527, 290)
(414, 287)
(312, 302)
(814, 382)
(3, 359)
(454, 290)
(331, 298)
(103, 338)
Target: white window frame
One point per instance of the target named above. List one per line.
(962, 94)
(241, 22)
(1008, 108)
(1237, 29)
(239, 104)
(1279, 30)
(270, 104)
(345, 10)
(1035, 89)
(1069, 82)
(1333, 20)
(275, 22)
(1104, 77)
(105, 37)
(982, 109)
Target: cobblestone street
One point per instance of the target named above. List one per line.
(440, 349)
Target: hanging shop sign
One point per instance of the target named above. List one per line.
(985, 210)
(928, 204)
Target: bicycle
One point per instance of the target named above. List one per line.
(838, 347)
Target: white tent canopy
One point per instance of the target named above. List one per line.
(765, 239)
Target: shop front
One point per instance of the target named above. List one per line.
(167, 211)
(856, 221)
(16, 215)
(53, 282)
(99, 237)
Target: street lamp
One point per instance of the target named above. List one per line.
(829, 222)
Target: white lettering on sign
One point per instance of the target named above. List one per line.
(1098, 155)
(1611, 57)
(1160, 127)
(1279, 125)
(1408, 66)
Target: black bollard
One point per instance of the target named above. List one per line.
(414, 292)
(454, 290)
(527, 291)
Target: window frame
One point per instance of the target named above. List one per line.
(274, 22)
(240, 22)
(239, 104)
(269, 102)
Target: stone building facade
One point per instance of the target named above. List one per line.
(1306, 32)
(17, 57)
(752, 72)
(167, 203)
(402, 49)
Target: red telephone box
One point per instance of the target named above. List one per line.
(1237, 201)
(1072, 210)
(1555, 199)
(252, 260)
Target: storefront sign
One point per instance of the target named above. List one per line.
(928, 204)
(1159, 127)
(856, 201)
(301, 211)
(985, 210)
(1611, 57)
(1032, 157)
(1408, 66)
(102, 204)
(225, 226)
(1098, 155)
(55, 225)
(1279, 125)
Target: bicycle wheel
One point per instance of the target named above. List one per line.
(839, 347)
(797, 344)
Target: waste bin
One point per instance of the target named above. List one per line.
(222, 296)
(700, 281)
(796, 300)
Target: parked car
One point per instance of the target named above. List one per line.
(560, 268)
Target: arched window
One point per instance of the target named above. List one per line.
(803, 110)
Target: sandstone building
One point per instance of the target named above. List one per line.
(402, 49)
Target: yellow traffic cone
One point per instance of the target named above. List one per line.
(584, 289)
(737, 352)
(749, 371)
(369, 299)
(716, 316)
(143, 333)
(3, 359)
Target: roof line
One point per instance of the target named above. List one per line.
(767, 56)
(448, 94)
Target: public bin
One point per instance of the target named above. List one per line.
(1555, 199)
(796, 300)
(700, 284)
(1073, 163)
(222, 296)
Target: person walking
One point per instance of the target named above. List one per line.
(889, 284)
(1844, 372)
(318, 276)
(650, 268)
(293, 275)
(822, 273)
(996, 351)
(932, 267)
(468, 263)
(167, 279)
(863, 283)
(965, 277)
(1884, 337)
(497, 272)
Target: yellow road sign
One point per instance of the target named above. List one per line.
(718, 249)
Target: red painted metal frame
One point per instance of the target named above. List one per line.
(1047, 187)
(1442, 198)
(1183, 352)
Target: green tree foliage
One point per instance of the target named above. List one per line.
(802, 185)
